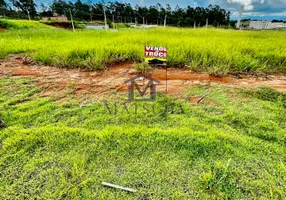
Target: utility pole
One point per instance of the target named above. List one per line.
(165, 21)
(105, 20)
(113, 24)
(207, 23)
(104, 13)
(28, 14)
(239, 17)
(143, 17)
(90, 10)
(72, 21)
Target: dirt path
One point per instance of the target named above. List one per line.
(94, 84)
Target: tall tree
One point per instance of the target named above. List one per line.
(61, 7)
(128, 12)
(153, 15)
(179, 14)
(82, 10)
(142, 12)
(3, 4)
(27, 6)
(3, 7)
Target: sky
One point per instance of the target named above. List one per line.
(254, 9)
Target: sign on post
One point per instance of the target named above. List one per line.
(155, 55)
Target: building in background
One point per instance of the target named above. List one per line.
(266, 25)
(56, 18)
(95, 26)
(244, 23)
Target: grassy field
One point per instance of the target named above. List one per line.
(22, 24)
(234, 148)
(213, 50)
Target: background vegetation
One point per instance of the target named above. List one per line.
(213, 50)
(231, 147)
(125, 13)
(119, 12)
(22, 24)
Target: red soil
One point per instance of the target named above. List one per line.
(85, 84)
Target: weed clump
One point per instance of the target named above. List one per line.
(270, 94)
(143, 67)
(219, 179)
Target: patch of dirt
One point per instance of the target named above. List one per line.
(65, 25)
(2, 29)
(87, 85)
(195, 99)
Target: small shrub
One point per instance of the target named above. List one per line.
(5, 24)
(270, 94)
(143, 67)
(218, 180)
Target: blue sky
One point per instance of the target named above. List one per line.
(255, 9)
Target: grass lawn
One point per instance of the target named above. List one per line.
(217, 51)
(234, 147)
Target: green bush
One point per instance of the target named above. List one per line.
(270, 94)
(22, 24)
(5, 24)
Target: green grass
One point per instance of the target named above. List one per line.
(217, 51)
(234, 149)
(22, 24)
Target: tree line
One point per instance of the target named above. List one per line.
(119, 12)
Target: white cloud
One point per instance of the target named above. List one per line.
(248, 4)
(252, 4)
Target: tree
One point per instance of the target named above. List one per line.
(111, 10)
(153, 15)
(128, 12)
(82, 10)
(102, 6)
(191, 16)
(3, 7)
(124, 12)
(47, 12)
(3, 4)
(164, 12)
(179, 14)
(27, 6)
(141, 12)
(61, 7)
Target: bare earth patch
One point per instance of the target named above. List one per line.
(87, 85)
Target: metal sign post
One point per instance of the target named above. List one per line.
(166, 79)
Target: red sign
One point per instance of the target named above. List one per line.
(155, 53)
